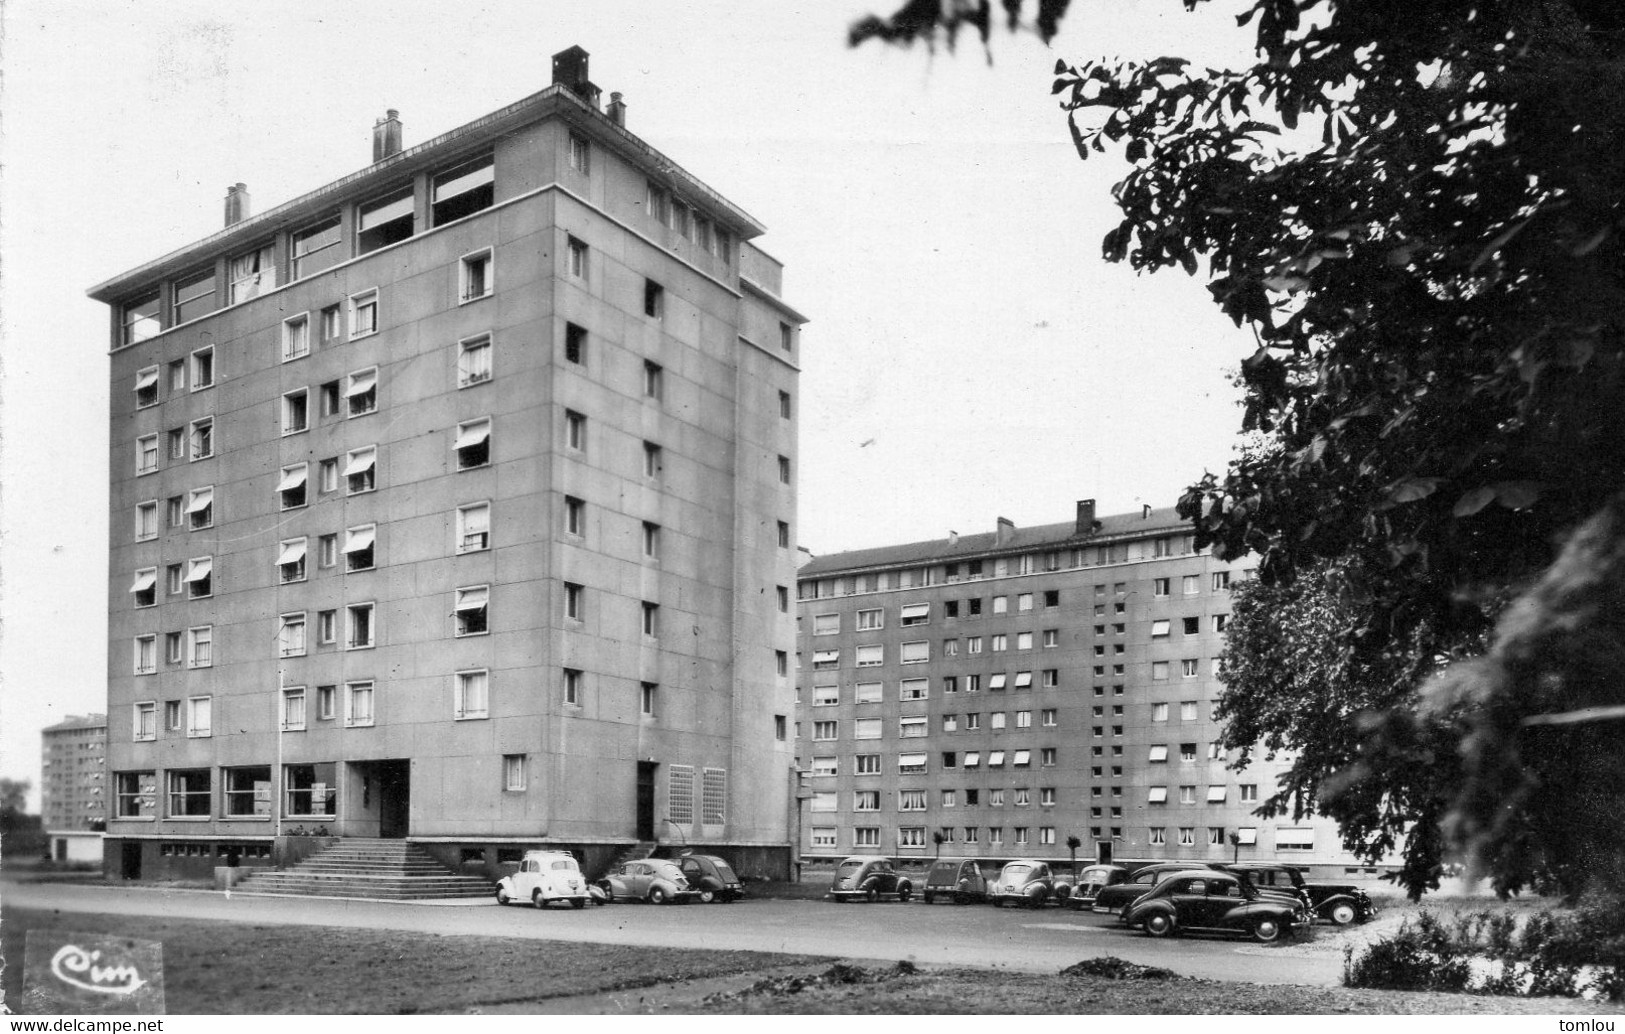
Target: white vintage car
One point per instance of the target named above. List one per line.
(545, 876)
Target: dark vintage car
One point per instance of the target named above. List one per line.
(869, 878)
(1117, 897)
(960, 880)
(711, 877)
(1209, 901)
(1027, 881)
(1340, 903)
(1092, 880)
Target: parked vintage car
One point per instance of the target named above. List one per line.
(958, 879)
(711, 877)
(1340, 903)
(1116, 898)
(544, 877)
(1027, 881)
(869, 878)
(1091, 881)
(1206, 900)
(656, 880)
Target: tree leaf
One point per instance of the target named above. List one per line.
(1518, 495)
(1473, 501)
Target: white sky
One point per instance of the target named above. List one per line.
(935, 222)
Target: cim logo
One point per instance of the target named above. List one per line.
(84, 969)
(66, 972)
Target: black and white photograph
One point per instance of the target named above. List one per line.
(1070, 508)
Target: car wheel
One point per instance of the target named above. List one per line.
(658, 896)
(871, 895)
(1035, 901)
(961, 899)
(537, 899)
(928, 897)
(1267, 930)
(502, 895)
(1343, 914)
(904, 893)
(707, 895)
(1158, 924)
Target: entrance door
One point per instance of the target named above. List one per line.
(130, 860)
(1103, 852)
(646, 800)
(394, 797)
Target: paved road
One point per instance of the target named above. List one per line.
(973, 935)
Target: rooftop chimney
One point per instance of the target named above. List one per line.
(1086, 517)
(386, 136)
(1145, 512)
(617, 110)
(1007, 531)
(570, 71)
(953, 538)
(236, 203)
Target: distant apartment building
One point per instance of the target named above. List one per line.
(445, 502)
(73, 778)
(993, 695)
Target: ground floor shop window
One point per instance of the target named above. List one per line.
(248, 791)
(137, 795)
(312, 789)
(189, 793)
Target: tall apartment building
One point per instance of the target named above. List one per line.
(1005, 692)
(74, 781)
(444, 499)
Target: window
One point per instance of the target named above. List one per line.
(784, 470)
(784, 405)
(315, 248)
(1158, 753)
(950, 723)
(1187, 752)
(1159, 629)
(473, 443)
(575, 430)
(1221, 581)
(172, 648)
(474, 360)
(146, 654)
(327, 629)
(362, 392)
(358, 703)
(513, 772)
(290, 561)
(474, 279)
(296, 337)
(327, 472)
(384, 221)
(867, 729)
(824, 660)
(324, 698)
(996, 682)
(189, 793)
(869, 692)
(1221, 622)
(145, 587)
(200, 578)
(1159, 669)
(653, 380)
(1247, 792)
(146, 387)
(1000, 643)
(910, 836)
(327, 550)
(1024, 640)
(997, 720)
(572, 686)
(203, 369)
(652, 460)
(469, 610)
(573, 601)
(914, 653)
(575, 516)
(576, 258)
(291, 486)
(293, 709)
(462, 191)
(200, 646)
(1024, 720)
(575, 344)
(654, 299)
(1159, 712)
(146, 454)
(825, 730)
(781, 663)
(361, 470)
(783, 594)
(826, 696)
(910, 800)
(251, 274)
(1024, 602)
(199, 716)
(869, 619)
(1001, 604)
(866, 800)
(580, 154)
(866, 764)
(914, 689)
(973, 722)
(826, 624)
(473, 527)
(358, 626)
(916, 614)
(470, 694)
(867, 656)
(359, 547)
(296, 411)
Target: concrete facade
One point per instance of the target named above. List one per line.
(498, 481)
(73, 777)
(1010, 690)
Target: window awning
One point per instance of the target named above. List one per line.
(911, 759)
(200, 500)
(360, 463)
(996, 681)
(995, 757)
(144, 580)
(146, 378)
(917, 610)
(200, 569)
(461, 181)
(357, 539)
(973, 758)
(1023, 757)
(380, 212)
(1215, 794)
(473, 434)
(1158, 753)
(292, 478)
(292, 552)
(1024, 679)
(1247, 835)
(1157, 794)
(361, 383)
(471, 599)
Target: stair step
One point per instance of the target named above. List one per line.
(368, 867)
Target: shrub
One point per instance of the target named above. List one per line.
(1415, 959)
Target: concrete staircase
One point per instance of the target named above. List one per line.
(631, 853)
(365, 867)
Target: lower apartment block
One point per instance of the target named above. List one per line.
(994, 695)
